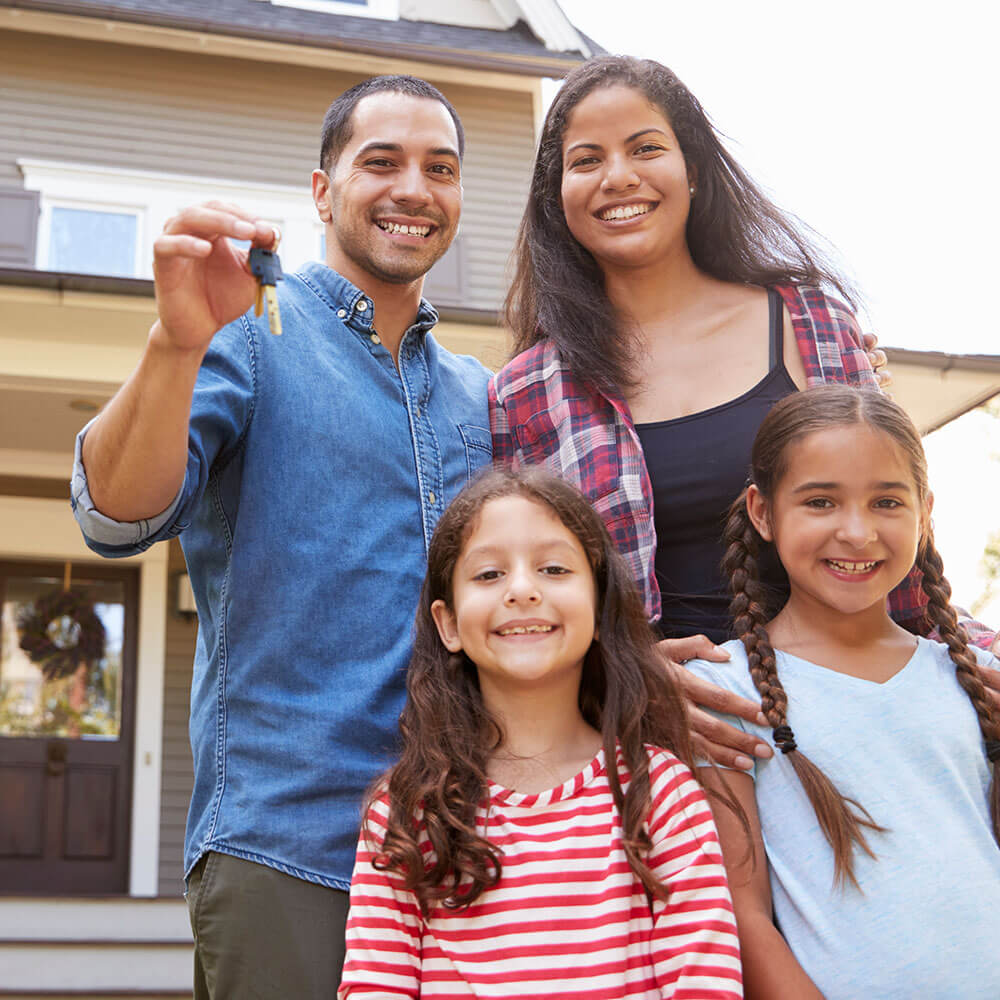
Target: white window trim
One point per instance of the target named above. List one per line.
(155, 197)
(384, 10)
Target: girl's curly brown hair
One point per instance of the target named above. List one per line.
(448, 734)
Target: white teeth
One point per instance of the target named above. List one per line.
(525, 629)
(625, 212)
(396, 229)
(853, 567)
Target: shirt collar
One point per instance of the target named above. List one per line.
(358, 307)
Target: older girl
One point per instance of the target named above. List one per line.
(873, 832)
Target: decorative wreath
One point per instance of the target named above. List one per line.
(60, 631)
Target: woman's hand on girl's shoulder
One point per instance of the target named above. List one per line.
(878, 359)
(713, 738)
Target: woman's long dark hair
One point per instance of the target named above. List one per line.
(844, 821)
(734, 232)
(448, 734)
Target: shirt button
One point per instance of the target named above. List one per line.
(361, 306)
(376, 339)
(431, 497)
(341, 313)
(416, 413)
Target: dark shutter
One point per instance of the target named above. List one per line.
(18, 227)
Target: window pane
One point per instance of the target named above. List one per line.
(89, 242)
(47, 691)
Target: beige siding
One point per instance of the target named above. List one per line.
(176, 779)
(112, 105)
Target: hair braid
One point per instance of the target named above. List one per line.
(941, 613)
(842, 820)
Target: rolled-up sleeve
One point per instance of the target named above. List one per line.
(221, 409)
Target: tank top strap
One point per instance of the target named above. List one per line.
(776, 329)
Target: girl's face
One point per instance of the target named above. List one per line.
(845, 518)
(523, 599)
(625, 186)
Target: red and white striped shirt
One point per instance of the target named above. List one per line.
(568, 920)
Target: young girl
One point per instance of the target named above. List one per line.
(879, 812)
(540, 835)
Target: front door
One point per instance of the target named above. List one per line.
(67, 680)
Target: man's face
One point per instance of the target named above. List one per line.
(392, 201)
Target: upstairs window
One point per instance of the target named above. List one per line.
(103, 220)
(92, 241)
(386, 10)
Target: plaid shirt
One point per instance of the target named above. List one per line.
(540, 414)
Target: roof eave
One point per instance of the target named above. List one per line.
(550, 65)
(61, 281)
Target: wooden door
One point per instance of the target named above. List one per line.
(67, 683)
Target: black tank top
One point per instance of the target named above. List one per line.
(698, 465)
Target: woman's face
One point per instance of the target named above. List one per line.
(625, 185)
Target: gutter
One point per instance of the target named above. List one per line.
(60, 281)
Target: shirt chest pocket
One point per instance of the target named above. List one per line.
(478, 446)
(583, 448)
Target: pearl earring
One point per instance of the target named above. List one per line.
(691, 189)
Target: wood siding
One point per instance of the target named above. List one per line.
(177, 775)
(150, 109)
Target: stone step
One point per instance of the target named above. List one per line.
(95, 968)
(115, 918)
(96, 948)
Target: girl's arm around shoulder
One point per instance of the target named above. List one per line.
(384, 926)
(695, 950)
(770, 970)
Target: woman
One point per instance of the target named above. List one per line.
(661, 305)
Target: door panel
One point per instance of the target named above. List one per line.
(66, 727)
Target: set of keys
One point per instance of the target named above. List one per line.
(266, 268)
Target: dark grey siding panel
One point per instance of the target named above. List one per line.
(143, 108)
(176, 776)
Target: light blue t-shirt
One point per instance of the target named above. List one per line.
(926, 925)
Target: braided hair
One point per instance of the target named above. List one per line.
(845, 822)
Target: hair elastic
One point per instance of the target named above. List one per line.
(993, 751)
(784, 738)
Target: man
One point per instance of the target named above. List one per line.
(307, 473)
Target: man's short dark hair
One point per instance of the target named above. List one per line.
(337, 128)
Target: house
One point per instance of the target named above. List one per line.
(114, 115)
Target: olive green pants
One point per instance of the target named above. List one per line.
(262, 935)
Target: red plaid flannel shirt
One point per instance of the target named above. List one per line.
(541, 415)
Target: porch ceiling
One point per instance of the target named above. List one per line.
(64, 351)
(63, 348)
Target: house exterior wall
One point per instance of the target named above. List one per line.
(149, 109)
(176, 775)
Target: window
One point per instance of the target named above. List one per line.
(91, 241)
(102, 220)
(387, 10)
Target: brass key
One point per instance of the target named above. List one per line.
(266, 268)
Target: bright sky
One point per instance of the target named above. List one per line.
(874, 122)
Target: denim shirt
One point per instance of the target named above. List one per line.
(316, 473)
